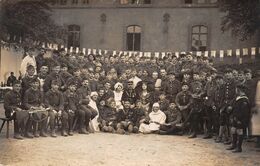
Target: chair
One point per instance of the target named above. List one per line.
(7, 127)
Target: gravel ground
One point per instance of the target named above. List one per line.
(121, 150)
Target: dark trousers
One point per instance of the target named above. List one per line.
(173, 129)
(85, 115)
(66, 120)
(20, 121)
(194, 121)
(208, 120)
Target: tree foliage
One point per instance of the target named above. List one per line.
(29, 20)
(242, 17)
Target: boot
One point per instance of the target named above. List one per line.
(53, 134)
(36, 134)
(28, 135)
(83, 131)
(234, 142)
(18, 136)
(239, 145)
(64, 133)
(194, 135)
(70, 133)
(43, 134)
(208, 136)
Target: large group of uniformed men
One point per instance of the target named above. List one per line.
(122, 94)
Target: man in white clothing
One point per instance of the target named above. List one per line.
(156, 118)
(29, 59)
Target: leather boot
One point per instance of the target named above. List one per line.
(234, 142)
(64, 133)
(194, 135)
(53, 134)
(36, 134)
(28, 135)
(70, 133)
(18, 136)
(83, 131)
(239, 144)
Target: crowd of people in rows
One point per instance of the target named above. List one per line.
(121, 94)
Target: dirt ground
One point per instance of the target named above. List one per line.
(121, 150)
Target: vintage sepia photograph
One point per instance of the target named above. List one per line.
(129, 82)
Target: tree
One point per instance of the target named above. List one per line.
(26, 22)
(242, 17)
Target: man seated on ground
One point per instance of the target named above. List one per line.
(173, 119)
(107, 116)
(13, 110)
(33, 101)
(153, 122)
(129, 123)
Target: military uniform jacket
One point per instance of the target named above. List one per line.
(129, 95)
(12, 100)
(32, 98)
(183, 98)
(219, 96)
(51, 77)
(71, 100)
(172, 88)
(26, 83)
(173, 116)
(107, 114)
(241, 112)
(230, 91)
(54, 100)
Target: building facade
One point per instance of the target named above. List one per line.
(145, 25)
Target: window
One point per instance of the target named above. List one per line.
(74, 1)
(133, 39)
(125, 2)
(199, 38)
(188, 1)
(74, 36)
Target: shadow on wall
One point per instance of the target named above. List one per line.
(10, 62)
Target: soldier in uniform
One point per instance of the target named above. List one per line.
(71, 103)
(55, 102)
(173, 118)
(28, 79)
(172, 87)
(33, 100)
(13, 110)
(129, 94)
(53, 76)
(240, 118)
(183, 101)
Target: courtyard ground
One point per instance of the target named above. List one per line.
(102, 149)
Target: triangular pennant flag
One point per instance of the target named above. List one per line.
(94, 51)
(100, 52)
(77, 50)
(237, 52)
(183, 52)
(206, 54)
(229, 52)
(245, 51)
(43, 45)
(156, 55)
(221, 55)
(125, 53)
(213, 53)
(177, 54)
(114, 53)
(89, 51)
(121, 53)
(140, 54)
(84, 51)
(51, 46)
(105, 52)
(149, 54)
(163, 54)
(71, 49)
(253, 51)
(62, 46)
(198, 53)
(130, 53)
(66, 50)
